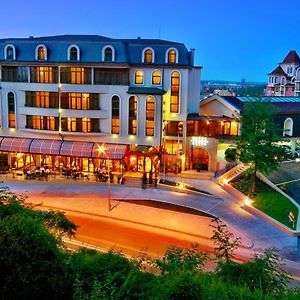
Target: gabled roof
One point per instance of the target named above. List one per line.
(278, 71)
(292, 57)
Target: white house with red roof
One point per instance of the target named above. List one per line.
(282, 80)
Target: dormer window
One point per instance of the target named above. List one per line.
(148, 55)
(41, 52)
(172, 56)
(73, 53)
(288, 127)
(10, 52)
(108, 54)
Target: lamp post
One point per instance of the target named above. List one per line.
(102, 150)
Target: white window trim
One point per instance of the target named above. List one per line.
(153, 54)
(179, 103)
(113, 52)
(5, 51)
(15, 102)
(154, 129)
(120, 113)
(69, 52)
(156, 70)
(167, 52)
(289, 129)
(137, 116)
(139, 84)
(37, 51)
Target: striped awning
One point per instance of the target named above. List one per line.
(111, 151)
(48, 147)
(13, 144)
(77, 149)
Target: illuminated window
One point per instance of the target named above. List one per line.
(42, 99)
(10, 52)
(11, 110)
(77, 75)
(71, 124)
(41, 52)
(156, 78)
(41, 122)
(132, 115)
(115, 115)
(150, 112)
(139, 77)
(44, 74)
(175, 87)
(86, 125)
(148, 56)
(172, 56)
(73, 53)
(89, 101)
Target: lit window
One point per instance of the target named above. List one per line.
(41, 53)
(156, 78)
(44, 74)
(148, 56)
(115, 115)
(86, 125)
(139, 77)
(150, 112)
(132, 115)
(175, 87)
(77, 75)
(72, 124)
(11, 110)
(172, 56)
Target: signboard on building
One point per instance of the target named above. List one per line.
(199, 141)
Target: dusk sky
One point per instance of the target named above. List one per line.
(234, 39)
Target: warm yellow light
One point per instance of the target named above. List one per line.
(132, 158)
(222, 123)
(248, 201)
(225, 181)
(115, 136)
(19, 155)
(60, 110)
(183, 159)
(207, 122)
(101, 149)
(181, 185)
(132, 137)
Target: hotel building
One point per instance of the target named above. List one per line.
(62, 97)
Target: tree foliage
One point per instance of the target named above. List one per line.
(257, 142)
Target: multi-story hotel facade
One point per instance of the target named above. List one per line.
(62, 97)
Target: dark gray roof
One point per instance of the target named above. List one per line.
(146, 91)
(284, 105)
(126, 50)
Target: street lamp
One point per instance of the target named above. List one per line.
(102, 150)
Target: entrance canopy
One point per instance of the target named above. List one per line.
(62, 148)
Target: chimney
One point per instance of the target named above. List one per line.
(31, 36)
(192, 55)
(138, 37)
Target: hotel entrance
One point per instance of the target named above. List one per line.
(198, 159)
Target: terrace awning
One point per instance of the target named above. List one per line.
(112, 151)
(13, 144)
(62, 148)
(50, 147)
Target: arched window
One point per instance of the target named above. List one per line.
(139, 77)
(108, 54)
(73, 53)
(132, 117)
(288, 127)
(150, 112)
(175, 88)
(41, 52)
(148, 56)
(172, 56)
(10, 52)
(156, 78)
(11, 110)
(115, 115)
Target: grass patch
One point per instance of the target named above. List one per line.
(268, 200)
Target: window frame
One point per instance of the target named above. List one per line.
(115, 129)
(6, 52)
(176, 56)
(135, 118)
(144, 55)
(173, 93)
(37, 54)
(149, 117)
(152, 77)
(11, 112)
(69, 53)
(136, 76)
(112, 55)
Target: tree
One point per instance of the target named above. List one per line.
(224, 240)
(257, 143)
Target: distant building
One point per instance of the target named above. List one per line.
(285, 79)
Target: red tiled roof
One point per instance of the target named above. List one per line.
(278, 71)
(292, 57)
